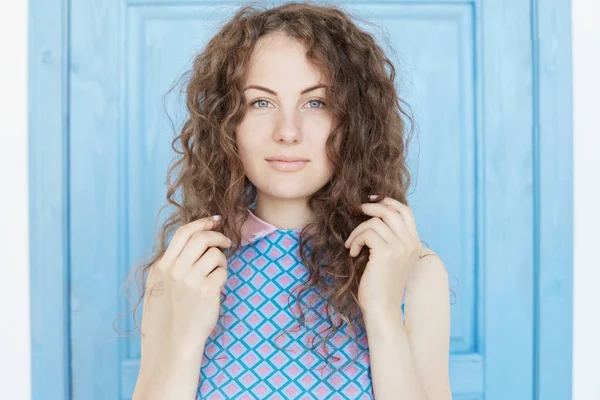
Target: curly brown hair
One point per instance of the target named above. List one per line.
(370, 117)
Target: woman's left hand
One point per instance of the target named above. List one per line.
(394, 247)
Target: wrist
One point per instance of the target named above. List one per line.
(169, 353)
(169, 373)
(380, 320)
(184, 351)
(170, 358)
(380, 314)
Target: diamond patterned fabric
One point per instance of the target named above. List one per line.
(263, 352)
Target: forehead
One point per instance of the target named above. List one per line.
(279, 60)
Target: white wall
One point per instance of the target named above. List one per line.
(14, 233)
(15, 369)
(586, 91)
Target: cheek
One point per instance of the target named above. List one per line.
(250, 153)
(321, 159)
(243, 150)
(243, 139)
(251, 133)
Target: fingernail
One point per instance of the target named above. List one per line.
(373, 196)
(229, 241)
(216, 217)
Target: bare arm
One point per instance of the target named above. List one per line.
(192, 271)
(172, 375)
(410, 360)
(166, 371)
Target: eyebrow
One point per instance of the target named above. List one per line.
(309, 89)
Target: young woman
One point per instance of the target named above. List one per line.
(294, 122)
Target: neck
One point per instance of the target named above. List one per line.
(283, 213)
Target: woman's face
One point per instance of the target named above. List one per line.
(287, 116)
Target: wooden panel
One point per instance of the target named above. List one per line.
(48, 200)
(93, 194)
(553, 142)
(95, 197)
(466, 70)
(506, 249)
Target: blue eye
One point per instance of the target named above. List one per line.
(268, 102)
(316, 101)
(259, 100)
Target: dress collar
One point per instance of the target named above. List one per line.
(255, 228)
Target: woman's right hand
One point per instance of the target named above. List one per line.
(184, 285)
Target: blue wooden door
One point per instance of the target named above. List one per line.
(465, 67)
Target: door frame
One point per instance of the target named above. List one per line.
(48, 129)
(48, 136)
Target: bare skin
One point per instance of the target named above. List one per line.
(286, 113)
(192, 271)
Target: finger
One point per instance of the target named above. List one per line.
(406, 212)
(377, 225)
(182, 236)
(218, 278)
(370, 238)
(198, 244)
(207, 266)
(392, 218)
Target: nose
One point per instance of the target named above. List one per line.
(287, 129)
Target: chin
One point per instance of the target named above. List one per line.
(287, 193)
(293, 190)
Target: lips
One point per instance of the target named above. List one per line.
(287, 166)
(286, 159)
